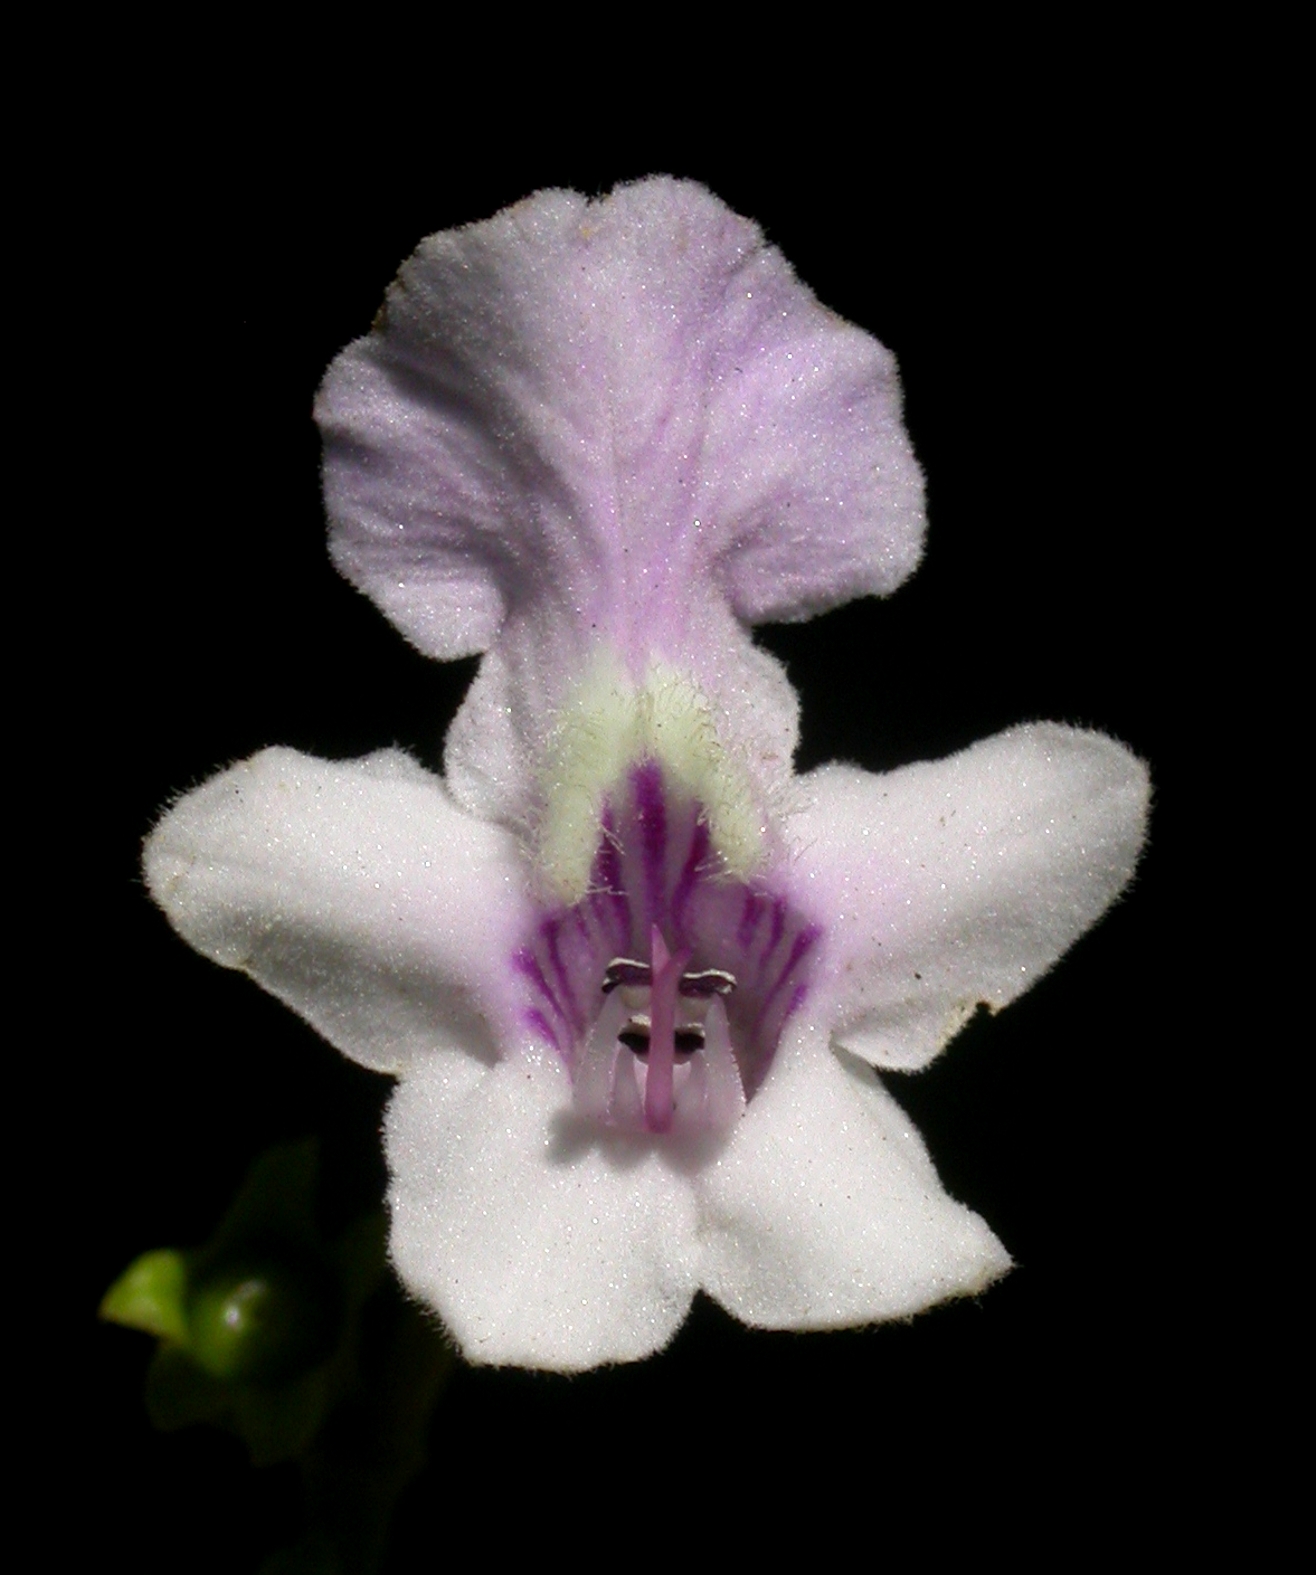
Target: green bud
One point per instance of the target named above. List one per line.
(264, 1321)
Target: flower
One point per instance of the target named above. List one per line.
(634, 976)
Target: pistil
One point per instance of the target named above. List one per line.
(665, 977)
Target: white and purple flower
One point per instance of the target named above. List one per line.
(632, 973)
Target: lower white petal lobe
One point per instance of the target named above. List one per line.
(542, 1240)
(825, 1211)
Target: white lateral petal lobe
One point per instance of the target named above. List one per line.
(357, 893)
(962, 881)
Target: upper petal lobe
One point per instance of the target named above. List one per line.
(620, 425)
(599, 404)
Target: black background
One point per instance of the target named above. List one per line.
(1026, 270)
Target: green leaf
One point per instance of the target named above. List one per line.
(279, 1424)
(276, 1202)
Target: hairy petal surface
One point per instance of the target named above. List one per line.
(357, 893)
(961, 881)
(541, 1240)
(600, 400)
(594, 442)
(494, 752)
(825, 1211)
(621, 423)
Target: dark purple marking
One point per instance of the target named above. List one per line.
(651, 812)
(778, 926)
(527, 964)
(535, 1020)
(801, 944)
(749, 920)
(691, 871)
(553, 934)
(799, 947)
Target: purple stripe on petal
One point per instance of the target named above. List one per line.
(528, 966)
(539, 1024)
(778, 926)
(651, 812)
(802, 943)
(690, 873)
(749, 921)
(523, 962)
(553, 935)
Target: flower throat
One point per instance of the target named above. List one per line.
(665, 988)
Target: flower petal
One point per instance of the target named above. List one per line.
(541, 1241)
(963, 880)
(496, 749)
(825, 1211)
(598, 401)
(620, 424)
(357, 893)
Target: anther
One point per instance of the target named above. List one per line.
(706, 983)
(625, 971)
